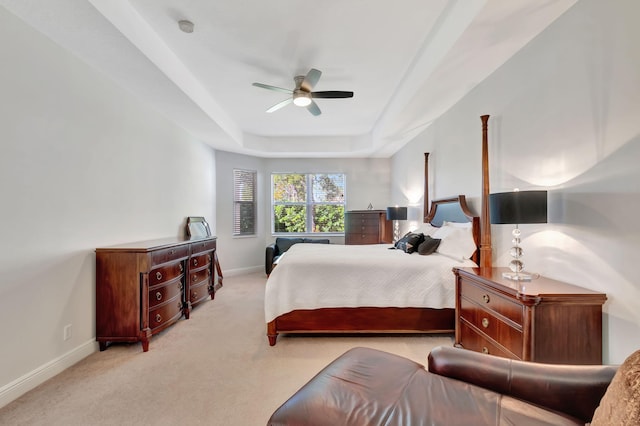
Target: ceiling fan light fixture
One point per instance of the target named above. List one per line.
(301, 99)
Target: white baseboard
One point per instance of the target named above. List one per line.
(24, 384)
(241, 271)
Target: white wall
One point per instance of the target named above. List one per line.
(246, 253)
(564, 117)
(368, 181)
(83, 164)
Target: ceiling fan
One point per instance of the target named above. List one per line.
(302, 95)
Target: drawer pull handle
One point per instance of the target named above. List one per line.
(485, 350)
(158, 318)
(172, 252)
(180, 286)
(194, 295)
(179, 305)
(194, 278)
(209, 258)
(195, 262)
(181, 267)
(485, 322)
(158, 295)
(486, 298)
(158, 276)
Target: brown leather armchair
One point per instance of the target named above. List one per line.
(370, 387)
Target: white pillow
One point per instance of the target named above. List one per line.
(426, 229)
(442, 232)
(465, 225)
(456, 242)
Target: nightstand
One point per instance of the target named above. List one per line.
(542, 320)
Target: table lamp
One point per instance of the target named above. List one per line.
(518, 207)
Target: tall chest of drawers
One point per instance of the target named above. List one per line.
(367, 227)
(144, 287)
(542, 320)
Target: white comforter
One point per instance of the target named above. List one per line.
(312, 276)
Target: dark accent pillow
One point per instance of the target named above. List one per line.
(410, 242)
(429, 245)
(285, 244)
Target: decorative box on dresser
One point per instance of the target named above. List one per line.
(367, 227)
(144, 287)
(542, 320)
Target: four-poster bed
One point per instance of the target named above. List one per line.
(286, 312)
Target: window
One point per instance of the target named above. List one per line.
(244, 202)
(307, 203)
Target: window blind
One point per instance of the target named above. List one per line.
(244, 202)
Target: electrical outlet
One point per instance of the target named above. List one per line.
(66, 333)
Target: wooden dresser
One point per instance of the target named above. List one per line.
(367, 227)
(542, 320)
(144, 287)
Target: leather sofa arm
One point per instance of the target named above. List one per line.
(571, 389)
(271, 253)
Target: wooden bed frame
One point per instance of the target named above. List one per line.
(398, 320)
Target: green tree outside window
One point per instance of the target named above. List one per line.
(308, 203)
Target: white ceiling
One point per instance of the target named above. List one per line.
(407, 62)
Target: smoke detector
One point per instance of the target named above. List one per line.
(185, 26)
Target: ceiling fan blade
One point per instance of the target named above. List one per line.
(314, 109)
(280, 105)
(332, 94)
(274, 88)
(310, 80)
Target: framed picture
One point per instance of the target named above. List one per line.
(197, 227)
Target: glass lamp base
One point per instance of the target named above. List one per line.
(517, 276)
(396, 231)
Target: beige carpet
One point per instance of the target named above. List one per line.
(216, 368)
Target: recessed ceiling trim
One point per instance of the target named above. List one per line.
(135, 28)
(455, 18)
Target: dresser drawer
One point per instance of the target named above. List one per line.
(365, 229)
(165, 314)
(200, 261)
(492, 301)
(202, 246)
(159, 257)
(488, 324)
(199, 276)
(161, 293)
(472, 340)
(362, 220)
(199, 292)
(362, 238)
(165, 274)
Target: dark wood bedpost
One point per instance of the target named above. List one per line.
(425, 212)
(485, 225)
